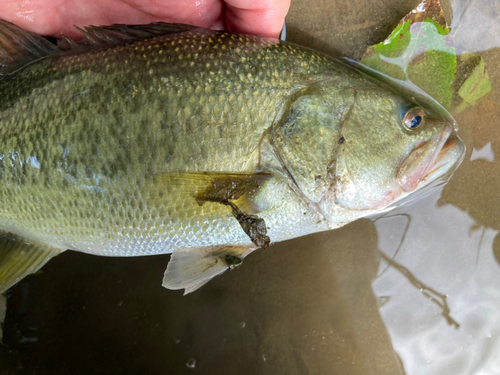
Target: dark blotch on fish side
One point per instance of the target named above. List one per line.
(232, 261)
(254, 226)
(223, 189)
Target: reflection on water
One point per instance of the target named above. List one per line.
(463, 268)
(485, 153)
(475, 25)
(451, 240)
(323, 304)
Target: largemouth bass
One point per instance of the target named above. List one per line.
(168, 138)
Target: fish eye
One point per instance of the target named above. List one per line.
(413, 118)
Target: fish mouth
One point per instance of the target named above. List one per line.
(431, 160)
(451, 155)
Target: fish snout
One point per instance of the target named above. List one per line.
(430, 159)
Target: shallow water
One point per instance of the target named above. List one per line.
(323, 304)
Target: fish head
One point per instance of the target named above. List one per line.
(390, 147)
(354, 150)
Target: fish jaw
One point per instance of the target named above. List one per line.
(429, 160)
(450, 156)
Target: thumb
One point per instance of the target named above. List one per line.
(260, 17)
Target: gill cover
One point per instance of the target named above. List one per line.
(305, 139)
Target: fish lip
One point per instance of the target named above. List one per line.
(444, 135)
(450, 155)
(443, 157)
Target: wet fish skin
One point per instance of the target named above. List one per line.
(108, 149)
(95, 127)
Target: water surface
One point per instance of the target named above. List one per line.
(322, 304)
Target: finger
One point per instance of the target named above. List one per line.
(202, 13)
(56, 17)
(261, 17)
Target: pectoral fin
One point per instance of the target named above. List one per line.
(191, 268)
(19, 258)
(187, 193)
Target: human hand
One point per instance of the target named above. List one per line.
(56, 17)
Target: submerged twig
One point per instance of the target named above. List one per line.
(402, 238)
(436, 297)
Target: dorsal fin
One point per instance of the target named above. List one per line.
(19, 47)
(102, 35)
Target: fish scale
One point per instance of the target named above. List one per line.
(126, 107)
(169, 138)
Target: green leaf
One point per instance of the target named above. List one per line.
(396, 44)
(434, 72)
(420, 50)
(477, 84)
(393, 47)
